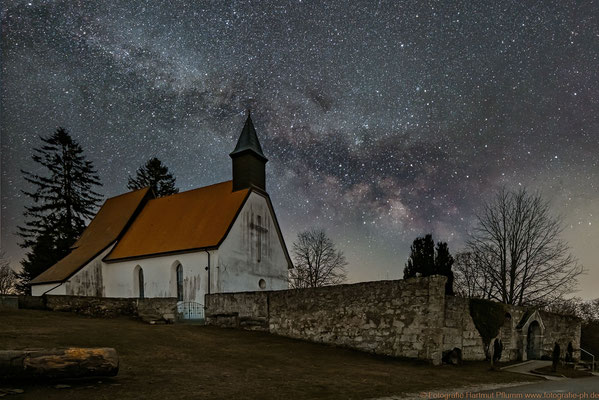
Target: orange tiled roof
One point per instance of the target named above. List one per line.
(103, 230)
(189, 220)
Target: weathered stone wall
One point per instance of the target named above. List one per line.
(397, 318)
(406, 318)
(157, 308)
(92, 306)
(460, 331)
(248, 310)
(561, 329)
(9, 301)
(32, 302)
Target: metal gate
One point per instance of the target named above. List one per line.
(190, 310)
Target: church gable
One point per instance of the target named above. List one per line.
(253, 256)
(107, 226)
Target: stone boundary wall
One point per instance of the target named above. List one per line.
(402, 318)
(9, 301)
(151, 309)
(32, 302)
(561, 329)
(460, 331)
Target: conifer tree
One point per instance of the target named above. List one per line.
(425, 260)
(155, 175)
(63, 199)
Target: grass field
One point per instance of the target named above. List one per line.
(191, 362)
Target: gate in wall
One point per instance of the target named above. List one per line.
(190, 310)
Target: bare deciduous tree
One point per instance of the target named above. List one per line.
(8, 278)
(470, 280)
(586, 310)
(317, 262)
(517, 247)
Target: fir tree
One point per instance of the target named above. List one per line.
(422, 258)
(42, 255)
(155, 175)
(63, 199)
(425, 260)
(443, 264)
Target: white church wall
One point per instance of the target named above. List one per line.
(88, 281)
(159, 276)
(245, 259)
(48, 288)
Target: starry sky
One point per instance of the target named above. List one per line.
(382, 120)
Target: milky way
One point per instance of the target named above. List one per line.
(382, 121)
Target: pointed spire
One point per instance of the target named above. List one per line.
(248, 140)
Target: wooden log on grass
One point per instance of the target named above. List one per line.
(58, 363)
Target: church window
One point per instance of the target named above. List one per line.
(259, 239)
(179, 282)
(140, 277)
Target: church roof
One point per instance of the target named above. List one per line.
(111, 220)
(187, 221)
(248, 141)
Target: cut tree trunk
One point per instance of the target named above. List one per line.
(58, 363)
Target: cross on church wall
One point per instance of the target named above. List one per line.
(259, 231)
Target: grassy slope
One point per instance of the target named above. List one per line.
(190, 361)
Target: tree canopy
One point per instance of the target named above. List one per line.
(8, 278)
(520, 257)
(317, 262)
(154, 174)
(426, 260)
(63, 198)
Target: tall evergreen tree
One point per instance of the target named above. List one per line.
(443, 264)
(63, 199)
(425, 260)
(155, 175)
(422, 258)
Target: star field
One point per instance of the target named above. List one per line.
(382, 120)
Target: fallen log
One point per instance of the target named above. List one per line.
(58, 363)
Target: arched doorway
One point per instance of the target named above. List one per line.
(533, 341)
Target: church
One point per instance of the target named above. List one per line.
(216, 239)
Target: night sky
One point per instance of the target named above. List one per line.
(382, 120)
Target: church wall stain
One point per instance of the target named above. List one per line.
(89, 281)
(238, 265)
(160, 277)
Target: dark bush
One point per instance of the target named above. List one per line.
(497, 350)
(555, 356)
(488, 318)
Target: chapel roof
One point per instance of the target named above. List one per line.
(188, 221)
(109, 223)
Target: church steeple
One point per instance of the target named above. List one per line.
(249, 162)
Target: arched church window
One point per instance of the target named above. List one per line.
(259, 239)
(140, 278)
(179, 282)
